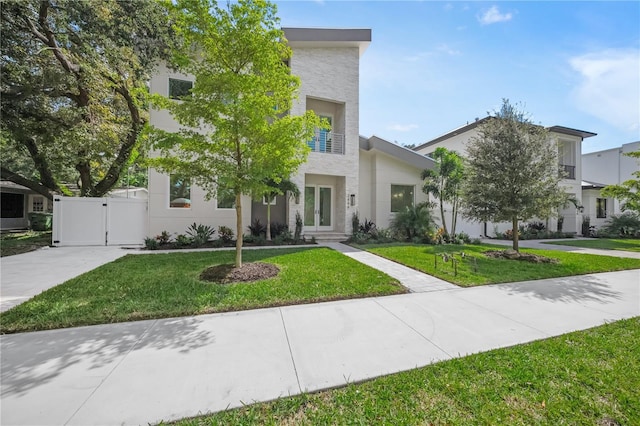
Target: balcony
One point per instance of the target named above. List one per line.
(569, 172)
(327, 142)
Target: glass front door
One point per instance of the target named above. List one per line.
(318, 208)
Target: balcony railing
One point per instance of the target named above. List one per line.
(327, 142)
(569, 171)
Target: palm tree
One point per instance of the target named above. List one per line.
(278, 188)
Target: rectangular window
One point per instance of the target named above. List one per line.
(37, 204)
(12, 205)
(179, 192)
(178, 89)
(226, 199)
(601, 208)
(401, 196)
(264, 201)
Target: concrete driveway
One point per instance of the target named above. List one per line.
(25, 275)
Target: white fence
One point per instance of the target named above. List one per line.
(99, 221)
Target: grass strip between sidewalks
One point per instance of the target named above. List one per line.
(588, 377)
(602, 243)
(477, 269)
(139, 287)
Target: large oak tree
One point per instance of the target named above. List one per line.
(74, 77)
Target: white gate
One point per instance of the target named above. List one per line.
(98, 221)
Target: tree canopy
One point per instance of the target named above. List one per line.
(237, 134)
(74, 77)
(628, 192)
(512, 171)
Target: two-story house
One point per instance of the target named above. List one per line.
(601, 168)
(569, 153)
(344, 173)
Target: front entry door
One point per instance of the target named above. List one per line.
(318, 208)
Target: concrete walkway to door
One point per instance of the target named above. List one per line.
(25, 275)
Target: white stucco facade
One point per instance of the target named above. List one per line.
(341, 175)
(607, 167)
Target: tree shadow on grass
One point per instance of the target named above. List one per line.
(580, 288)
(30, 360)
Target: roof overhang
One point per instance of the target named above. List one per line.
(329, 37)
(569, 131)
(398, 152)
(592, 185)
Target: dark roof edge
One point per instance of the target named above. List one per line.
(556, 129)
(327, 34)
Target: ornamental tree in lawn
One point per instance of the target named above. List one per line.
(512, 171)
(237, 134)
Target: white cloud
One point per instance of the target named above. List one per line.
(446, 49)
(493, 16)
(609, 87)
(402, 127)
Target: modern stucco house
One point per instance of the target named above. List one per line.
(344, 173)
(569, 154)
(602, 168)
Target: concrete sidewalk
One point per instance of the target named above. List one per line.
(148, 371)
(540, 244)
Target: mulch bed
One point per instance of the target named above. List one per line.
(514, 255)
(225, 274)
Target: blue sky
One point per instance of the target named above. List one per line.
(434, 66)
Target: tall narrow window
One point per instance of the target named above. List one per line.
(178, 89)
(402, 196)
(179, 192)
(601, 208)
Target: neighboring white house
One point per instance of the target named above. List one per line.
(602, 168)
(569, 151)
(344, 173)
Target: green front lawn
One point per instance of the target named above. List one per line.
(602, 243)
(477, 269)
(139, 287)
(22, 242)
(584, 378)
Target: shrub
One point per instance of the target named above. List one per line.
(368, 227)
(278, 228)
(163, 238)
(298, 231)
(623, 225)
(150, 243)
(258, 240)
(413, 222)
(466, 239)
(283, 237)
(200, 233)
(182, 240)
(226, 234)
(355, 223)
(257, 228)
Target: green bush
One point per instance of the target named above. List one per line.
(414, 223)
(226, 234)
(626, 225)
(200, 234)
(183, 241)
(151, 243)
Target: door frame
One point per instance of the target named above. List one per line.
(316, 227)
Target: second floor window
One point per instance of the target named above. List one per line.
(179, 192)
(178, 89)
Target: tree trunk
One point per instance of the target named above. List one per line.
(238, 229)
(268, 220)
(515, 233)
(34, 186)
(444, 222)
